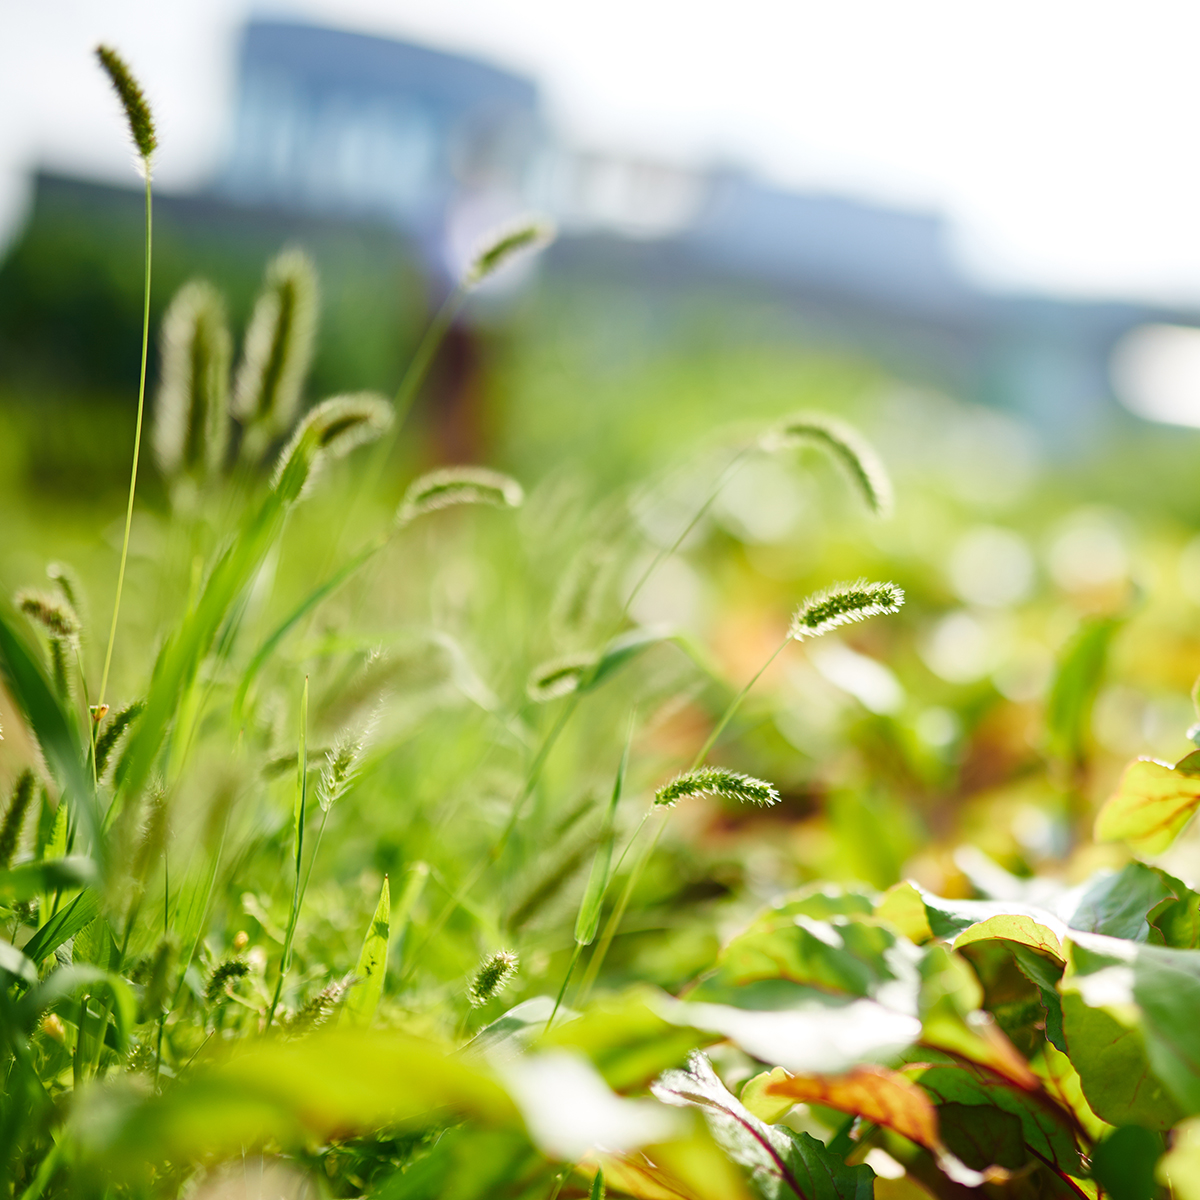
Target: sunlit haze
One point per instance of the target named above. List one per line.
(1058, 139)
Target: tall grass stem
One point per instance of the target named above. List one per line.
(137, 446)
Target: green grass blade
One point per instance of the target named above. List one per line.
(185, 649)
(33, 878)
(294, 617)
(588, 919)
(363, 999)
(54, 726)
(65, 924)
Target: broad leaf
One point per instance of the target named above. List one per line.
(32, 878)
(332, 1083)
(1152, 804)
(783, 1165)
(884, 1097)
(1047, 1130)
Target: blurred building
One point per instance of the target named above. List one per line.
(338, 127)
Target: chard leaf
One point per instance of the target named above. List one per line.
(783, 1165)
(1044, 1127)
(1152, 804)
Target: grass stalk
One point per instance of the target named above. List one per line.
(635, 875)
(137, 447)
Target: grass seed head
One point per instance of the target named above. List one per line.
(106, 743)
(558, 677)
(278, 348)
(133, 99)
(14, 818)
(843, 604)
(53, 613)
(331, 429)
(503, 245)
(847, 447)
(191, 419)
(319, 1008)
(716, 781)
(458, 485)
(225, 975)
(342, 762)
(493, 976)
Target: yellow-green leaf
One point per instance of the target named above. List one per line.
(1152, 804)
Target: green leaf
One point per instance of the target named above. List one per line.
(850, 955)
(587, 920)
(783, 1165)
(1130, 1018)
(1076, 682)
(1123, 1163)
(363, 999)
(625, 1036)
(1152, 804)
(16, 964)
(180, 657)
(1044, 973)
(32, 878)
(54, 726)
(598, 1191)
(335, 1082)
(67, 983)
(1045, 1128)
(1119, 904)
(66, 923)
(466, 1163)
(1179, 1168)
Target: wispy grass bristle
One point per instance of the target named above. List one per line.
(493, 977)
(53, 613)
(133, 99)
(342, 762)
(716, 781)
(14, 817)
(330, 429)
(319, 1008)
(191, 419)
(67, 582)
(278, 349)
(502, 246)
(449, 486)
(225, 975)
(558, 677)
(843, 604)
(847, 447)
(106, 743)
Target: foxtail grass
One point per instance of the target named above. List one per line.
(141, 129)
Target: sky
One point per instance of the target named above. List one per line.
(1057, 137)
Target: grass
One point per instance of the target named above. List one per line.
(351, 890)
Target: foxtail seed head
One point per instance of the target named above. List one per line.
(133, 99)
(492, 977)
(53, 613)
(843, 604)
(191, 420)
(342, 761)
(14, 818)
(558, 677)
(225, 975)
(278, 348)
(458, 485)
(107, 741)
(330, 430)
(716, 781)
(505, 244)
(846, 446)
